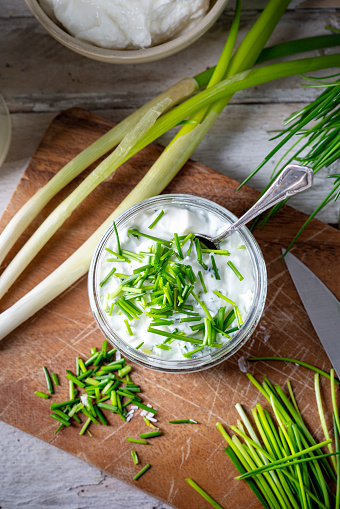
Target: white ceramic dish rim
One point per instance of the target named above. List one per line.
(127, 56)
(187, 365)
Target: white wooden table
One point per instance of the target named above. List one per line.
(39, 78)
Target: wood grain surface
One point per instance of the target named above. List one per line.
(65, 328)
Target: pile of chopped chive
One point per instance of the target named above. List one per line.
(106, 385)
(165, 288)
(285, 467)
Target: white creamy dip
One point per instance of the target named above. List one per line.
(180, 220)
(126, 24)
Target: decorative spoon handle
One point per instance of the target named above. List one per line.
(292, 180)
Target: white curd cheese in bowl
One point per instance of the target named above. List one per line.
(126, 24)
(164, 301)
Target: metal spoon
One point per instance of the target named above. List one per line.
(292, 180)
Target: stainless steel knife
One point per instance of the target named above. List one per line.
(322, 307)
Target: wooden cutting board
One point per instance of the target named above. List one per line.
(65, 329)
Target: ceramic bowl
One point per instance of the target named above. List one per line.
(128, 56)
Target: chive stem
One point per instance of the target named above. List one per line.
(294, 361)
(48, 380)
(136, 441)
(119, 249)
(215, 269)
(141, 472)
(235, 271)
(151, 434)
(42, 394)
(55, 379)
(156, 220)
(183, 421)
(205, 495)
(134, 453)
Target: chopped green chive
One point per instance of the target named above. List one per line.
(42, 394)
(124, 371)
(133, 453)
(63, 421)
(55, 379)
(217, 275)
(141, 344)
(190, 319)
(162, 346)
(156, 220)
(238, 316)
(205, 495)
(84, 428)
(117, 237)
(128, 328)
(236, 272)
(151, 434)
(141, 472)
(65, 403)
(137, 233)
(184, 421)
(219, 294)
(202, 282)
(58, 429)
(136, 441)
(199, 254)
(48, 380)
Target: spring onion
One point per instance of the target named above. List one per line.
(171, 160)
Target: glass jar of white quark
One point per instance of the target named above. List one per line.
(199, 308)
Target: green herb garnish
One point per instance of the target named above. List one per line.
(133, 453)
(136, 441)
(183, 421)
(217, 275)
(117, 238)
(42, 394)
(151, 434)
(235, 271)
(157, 219)
(205, 495)
(141, 472)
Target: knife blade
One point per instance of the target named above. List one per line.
(323, 308)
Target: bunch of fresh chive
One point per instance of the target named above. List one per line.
(106, 385)
(282, 463)
(315, 130)
(163, 287)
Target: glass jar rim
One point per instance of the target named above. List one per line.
(193, 364)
